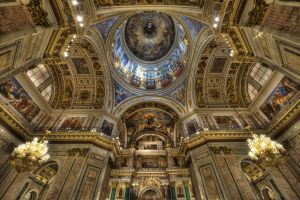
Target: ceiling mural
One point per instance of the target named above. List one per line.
(104, 27)
(19, 99)
(149, 35)
(281, 96)
(154, 53)
(103, 3)
(150, 120)
(226, 122)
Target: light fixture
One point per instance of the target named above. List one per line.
(217, 19)
(74, 2)
(215, 25)
(66, 54)
(266, 152)
(81, 24)
(29, 156)
(79, 18)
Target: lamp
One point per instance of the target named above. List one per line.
(264, 151)
(30, 156)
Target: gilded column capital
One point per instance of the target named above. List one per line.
(128, 184)
(172, 184)
(114, 184)
(186, 183)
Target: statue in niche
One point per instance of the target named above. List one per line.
(138, 162)
(162, 162)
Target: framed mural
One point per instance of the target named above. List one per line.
(226, 122)
(8, 56)
(16, 96)
(81, 65)
(218, 65)
(192, 126)
(107, 127)
(150, 120)
(72, 123)
(281, 96)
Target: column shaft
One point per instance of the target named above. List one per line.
(113, 193)
(187, 193)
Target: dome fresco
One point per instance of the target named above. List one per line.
(149, 50)
(149, 35)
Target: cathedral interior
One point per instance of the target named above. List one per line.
(149, 99)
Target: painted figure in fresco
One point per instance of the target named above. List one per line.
(120, 95)
(180, 191)
(192, 127)
(72, 123)
(107, 127)
(280, 97)
(19, 99)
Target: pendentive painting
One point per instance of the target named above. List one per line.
(107, 127)
(15, 94)
(280, 97)
(121, 94)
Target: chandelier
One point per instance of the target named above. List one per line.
(29, 156)
(266, 152)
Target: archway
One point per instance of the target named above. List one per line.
(150, 194)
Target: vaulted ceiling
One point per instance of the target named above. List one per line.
(135, 66)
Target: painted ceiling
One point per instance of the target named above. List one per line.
(150, 50)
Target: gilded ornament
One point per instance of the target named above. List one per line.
(38, 15)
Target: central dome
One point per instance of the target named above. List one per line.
(149, 50)
(149, 35)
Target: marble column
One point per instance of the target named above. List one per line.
(113, 190)
(173, 191)
(186, 190)
(127, 191)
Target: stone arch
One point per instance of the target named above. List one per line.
(47, 172)
(268, 194)
(166, 101)
(150, 191)
(31, 194)
(251, 170)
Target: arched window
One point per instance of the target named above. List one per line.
(46, 93)
(31, 195)
(258, 77)
(260, 73)
(38, 75)
(40, 78)
(268, 194)
(47, 173)
(252, 91)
